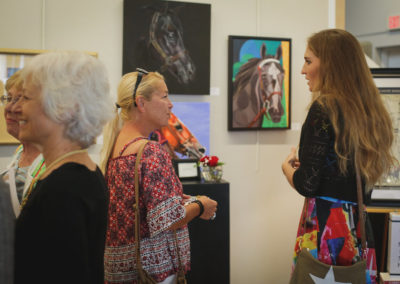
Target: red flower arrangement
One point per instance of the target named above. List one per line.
(210, 161)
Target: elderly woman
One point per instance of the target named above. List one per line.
(145, 106)
(27, 162)
(60, 233)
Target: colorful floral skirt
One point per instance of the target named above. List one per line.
(332, 234)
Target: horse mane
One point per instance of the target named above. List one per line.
(246, 71)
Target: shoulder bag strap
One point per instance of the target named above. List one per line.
(136, 206)
(361, 211)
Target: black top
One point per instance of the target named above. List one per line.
(318, 174)
(7, 222)
(60, 233)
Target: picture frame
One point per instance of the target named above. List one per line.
(12, 60)
(259, 83)
(186, 169)
(172, 38)
(387, 81)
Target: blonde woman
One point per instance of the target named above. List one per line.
(347, 125)
(143, 105)
(27, 162)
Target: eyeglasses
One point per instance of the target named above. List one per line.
(9, 99)
(141, 73)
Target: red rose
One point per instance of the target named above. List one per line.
(203, 159)
(213, 161)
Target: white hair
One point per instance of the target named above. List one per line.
(75, 92)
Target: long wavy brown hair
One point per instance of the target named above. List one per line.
(346, 90)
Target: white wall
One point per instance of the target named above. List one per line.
(368, 21)
(264, 209)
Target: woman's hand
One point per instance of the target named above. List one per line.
(210, 207)
(185, 198)
(289, 165)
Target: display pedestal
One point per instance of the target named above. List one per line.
(209, 240)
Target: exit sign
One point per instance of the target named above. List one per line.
(394, 22)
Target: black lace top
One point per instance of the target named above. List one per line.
(318, 174)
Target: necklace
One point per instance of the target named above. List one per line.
(33, 183)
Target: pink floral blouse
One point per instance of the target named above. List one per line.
(160, 206)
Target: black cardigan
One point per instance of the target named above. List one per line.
(318, 174)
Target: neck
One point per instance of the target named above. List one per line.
(136, 129)
(30, 149)
(28, 155)
(51, 154)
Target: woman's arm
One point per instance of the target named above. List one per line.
(193, 210)
(162, 194)
(289, 166)
(316, 143)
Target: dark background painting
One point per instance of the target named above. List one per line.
(137, 52)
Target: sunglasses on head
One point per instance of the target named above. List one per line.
(141, 73)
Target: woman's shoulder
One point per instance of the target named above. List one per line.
(74, 175)
(317, 110)
(155, 149)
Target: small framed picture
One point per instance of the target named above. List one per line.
(186, 169)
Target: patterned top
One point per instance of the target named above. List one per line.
(319, 174)
(160, 206)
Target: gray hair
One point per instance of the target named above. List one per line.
(75, 92)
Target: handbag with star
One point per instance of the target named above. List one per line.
(309, 270)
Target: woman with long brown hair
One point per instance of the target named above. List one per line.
(347, 126)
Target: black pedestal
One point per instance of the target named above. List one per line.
(209, 240)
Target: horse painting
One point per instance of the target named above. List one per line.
(166, 44)
(176, 137)
(257, 91)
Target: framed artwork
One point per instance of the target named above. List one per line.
(12, 60)
(388, 82)
(259, 83)
(172, 38)
(184, 137)
(186, 169)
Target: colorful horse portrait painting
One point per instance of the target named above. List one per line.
(259, 96)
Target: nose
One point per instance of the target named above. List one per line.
(303, 71)
(16, 107)
(8, 107)
(170, 104)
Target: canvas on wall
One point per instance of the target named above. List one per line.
(187, 135)
(172, 38)
(259, 83)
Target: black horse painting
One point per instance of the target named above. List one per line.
(166, 44)
(172, 38)
(257, 91)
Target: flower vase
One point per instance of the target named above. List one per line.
(211, 174)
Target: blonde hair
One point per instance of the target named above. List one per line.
(347, 92)
(146, 88)
(15, 81)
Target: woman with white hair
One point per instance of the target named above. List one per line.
(60, 233)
